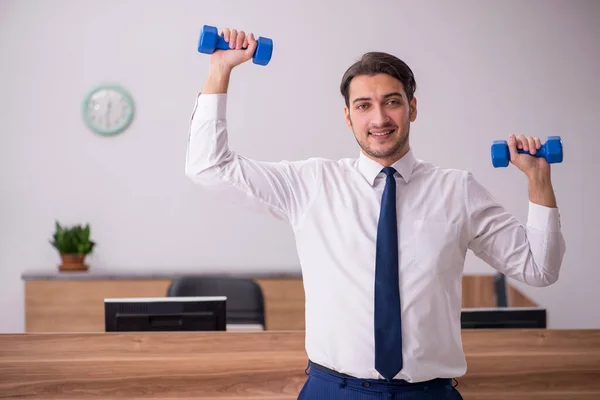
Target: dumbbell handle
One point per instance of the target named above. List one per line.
(223, 45)
(541, 152)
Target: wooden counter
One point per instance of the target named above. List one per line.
(503, 364)
(74, 302)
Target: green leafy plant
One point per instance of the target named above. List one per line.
(72, 240)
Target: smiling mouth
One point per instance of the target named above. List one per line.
(382, 134)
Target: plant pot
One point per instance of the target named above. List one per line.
(72, 262)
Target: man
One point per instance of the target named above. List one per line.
(382, 238)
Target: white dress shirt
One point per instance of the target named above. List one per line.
(333, 207)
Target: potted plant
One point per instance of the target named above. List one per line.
(73, 244)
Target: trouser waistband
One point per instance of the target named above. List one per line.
(323, 372)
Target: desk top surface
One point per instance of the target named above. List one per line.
(503, 364)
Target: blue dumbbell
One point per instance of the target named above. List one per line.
(210, 40)
(552, 151)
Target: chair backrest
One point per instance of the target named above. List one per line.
(245, 300)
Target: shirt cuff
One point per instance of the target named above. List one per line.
(210, 106)
(543, 218)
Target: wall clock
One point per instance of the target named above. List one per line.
(108, 109)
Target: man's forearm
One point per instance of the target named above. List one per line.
(541, 191)
(217, 80)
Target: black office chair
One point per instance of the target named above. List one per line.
(245, 300)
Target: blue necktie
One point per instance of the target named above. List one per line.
(388, 331)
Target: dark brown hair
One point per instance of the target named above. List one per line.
(379, 63)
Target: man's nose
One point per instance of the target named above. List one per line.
(380, 117)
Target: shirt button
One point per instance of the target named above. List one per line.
(366, 384)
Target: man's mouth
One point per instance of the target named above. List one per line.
(382, 134)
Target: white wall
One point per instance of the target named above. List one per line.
(484, 69)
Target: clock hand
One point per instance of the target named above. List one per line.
(108, 107)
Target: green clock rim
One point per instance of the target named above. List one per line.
(128, 117)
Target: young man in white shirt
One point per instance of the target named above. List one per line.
(381, 238)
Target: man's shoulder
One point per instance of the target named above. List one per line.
(427, 169)
(327, 163)
(320, 166)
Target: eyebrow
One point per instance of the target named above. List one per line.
(385, 97)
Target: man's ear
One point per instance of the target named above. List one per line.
(347, 115)
(413, 109)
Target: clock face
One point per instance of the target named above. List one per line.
(108, 110)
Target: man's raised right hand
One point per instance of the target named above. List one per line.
(242, 49)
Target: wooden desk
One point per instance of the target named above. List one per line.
(74, 302)
(509, 364)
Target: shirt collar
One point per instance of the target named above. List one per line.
(370, 168)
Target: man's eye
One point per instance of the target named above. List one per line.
(362, 106)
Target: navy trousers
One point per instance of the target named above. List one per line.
(325, 385)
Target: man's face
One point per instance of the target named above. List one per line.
(379, 114)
